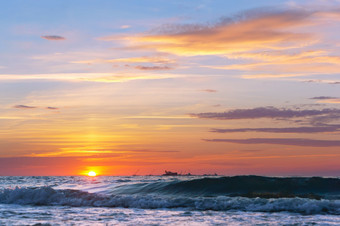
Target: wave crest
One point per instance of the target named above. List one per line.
(50, 196)
(245, 186)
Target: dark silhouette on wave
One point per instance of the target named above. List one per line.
(169, 173)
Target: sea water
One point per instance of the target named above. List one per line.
(164, 200)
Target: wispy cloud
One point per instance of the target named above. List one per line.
(248, 31)
(155, 59)
(24, 106)
(323, 98)
(331, 101)
(264, 112)
(125, 26)
(52, 108)
(322, 81)
(263, 43)
(315, 129)
(152, 68)
(21, 106)
(209, 90)
(94, 77)
(282, 141)
(326, 99)
(275, 64)
(323, 120)
(53, 37)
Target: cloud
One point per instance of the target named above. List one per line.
(249, 31)
(322, 120)
(152, 68)
(326, 99)
(156, 60)
(282, 141)
(21, 106)
(262, 43)
(24, 106)
(275, 64)
(53, 37)
(322, 98)
(331, 101)
(209, 90)
(125, 26)
(151, 151)
(316, 129)
(322, 81)
(264, 112)
(94, 77)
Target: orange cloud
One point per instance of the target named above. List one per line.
(328, 100)
(256, 30)
(281, 58)
(284, 43)
(280, 64)
(331, 101)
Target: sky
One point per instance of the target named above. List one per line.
(138, 87)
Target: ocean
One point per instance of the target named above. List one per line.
(169, 200)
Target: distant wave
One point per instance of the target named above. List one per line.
(50, 196)
(245, 186)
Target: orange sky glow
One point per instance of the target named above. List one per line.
(250, 89)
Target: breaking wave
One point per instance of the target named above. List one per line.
(313, 195)
(50, 196)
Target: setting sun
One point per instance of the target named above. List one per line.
(92, 174)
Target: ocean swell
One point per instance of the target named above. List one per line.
(245, 186)
(67, 197)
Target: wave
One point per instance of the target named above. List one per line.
(245, 186)
(49, 196)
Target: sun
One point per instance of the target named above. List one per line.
(91, 174)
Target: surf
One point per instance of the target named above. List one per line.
(47, 196)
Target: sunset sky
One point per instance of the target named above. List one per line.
(139, 87)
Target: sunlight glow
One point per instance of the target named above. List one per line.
(92, 174)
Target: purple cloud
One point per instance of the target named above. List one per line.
(152, 68)
(53, 37)
(322, 81)
(316, 129)
(52, 108)
(281, 141)
(209, 90)
(24, 106)
(264, 112)
(324, 119)
(323, 98)
(21, 106)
